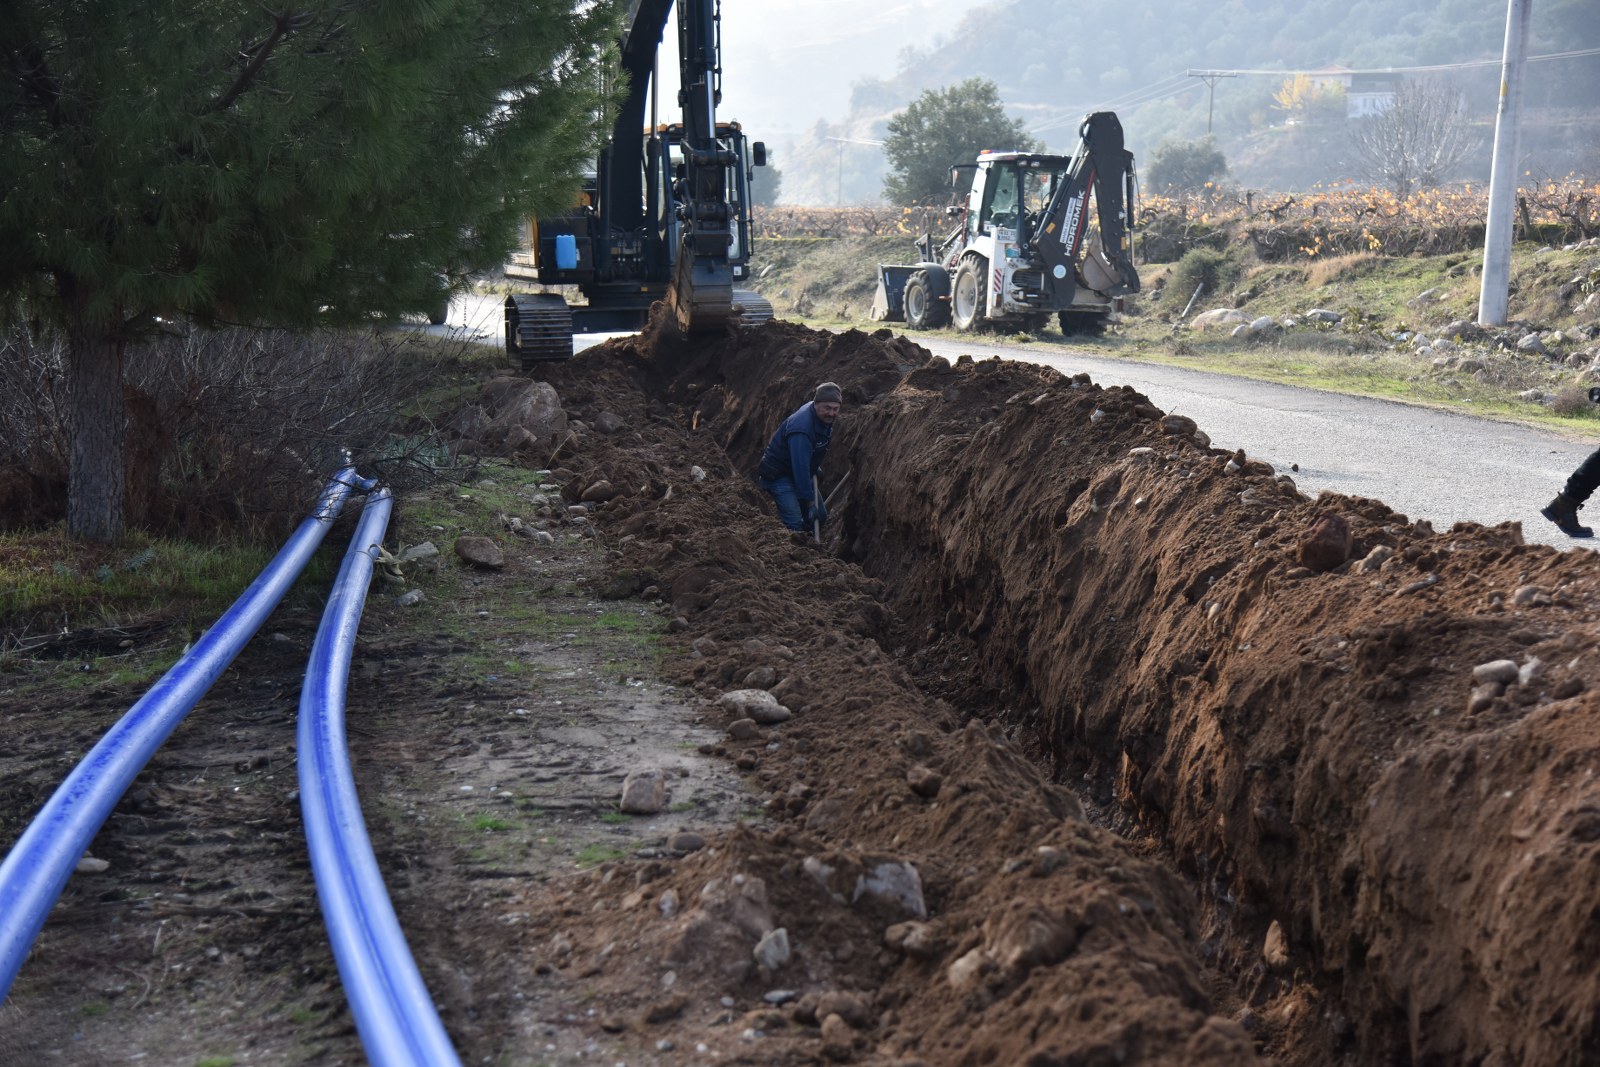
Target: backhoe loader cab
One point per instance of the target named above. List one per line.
(1026, 247)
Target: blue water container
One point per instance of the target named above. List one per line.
(566, 252)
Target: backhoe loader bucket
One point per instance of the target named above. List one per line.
(889, 302)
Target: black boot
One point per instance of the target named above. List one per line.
(1564, 513)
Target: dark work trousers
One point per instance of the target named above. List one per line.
(1584, 481)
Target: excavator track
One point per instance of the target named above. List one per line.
(538, 329)
(751, 308)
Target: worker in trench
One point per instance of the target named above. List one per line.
(793, 457)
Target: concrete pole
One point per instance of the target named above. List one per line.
(1494, 294)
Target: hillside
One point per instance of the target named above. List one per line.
(1399, 325)
(1050, 72)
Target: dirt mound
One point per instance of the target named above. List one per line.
(1386, 840)
(1102, 747)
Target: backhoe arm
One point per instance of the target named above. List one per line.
(1104, 165)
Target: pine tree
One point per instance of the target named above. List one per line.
(212, 161)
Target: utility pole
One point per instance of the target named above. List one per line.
(839, 201)
(1494, 293)
(1210, 78)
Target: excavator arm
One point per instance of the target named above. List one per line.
(701, 293)
(1104, 166)
(666, 217)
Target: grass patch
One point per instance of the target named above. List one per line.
(1335, 269)
(832, 278)
(613, 817)
(216, 1061)
(630, 621)
(488, 824)
(594, 855)
(49, 581)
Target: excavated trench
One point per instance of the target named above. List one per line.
(1349, 759)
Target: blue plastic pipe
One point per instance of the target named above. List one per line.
(39, 864)
(394, 1014)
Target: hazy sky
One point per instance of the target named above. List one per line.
(787, 63)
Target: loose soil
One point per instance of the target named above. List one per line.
(1106, 747)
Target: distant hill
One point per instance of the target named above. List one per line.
(1053, 65)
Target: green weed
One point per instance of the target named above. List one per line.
(594, 855)
(48, 581)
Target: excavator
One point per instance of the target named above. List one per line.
(666, 215)
(1024, 248)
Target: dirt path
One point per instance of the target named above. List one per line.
(491, 728)
(1092, 757)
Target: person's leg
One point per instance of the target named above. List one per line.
(1563, 510)
(1582, 483)
(783, 494)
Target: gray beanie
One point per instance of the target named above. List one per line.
(828, 393)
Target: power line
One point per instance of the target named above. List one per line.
(1153, 91)
(842, 142)
(1464, 65)
(1167, 86)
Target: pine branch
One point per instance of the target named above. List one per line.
(283, 25)
(33, 74)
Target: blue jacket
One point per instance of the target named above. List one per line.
(797, 449)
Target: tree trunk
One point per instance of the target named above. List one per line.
(97, 418)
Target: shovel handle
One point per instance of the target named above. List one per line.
(816, 523)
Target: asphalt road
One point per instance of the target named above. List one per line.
(1424, 463)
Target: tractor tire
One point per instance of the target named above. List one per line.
(1082, 323)
(924, 310)
(967, 294)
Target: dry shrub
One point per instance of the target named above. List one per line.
(1200, 270)
(235, 429)
(1320, 272)
(1571, 400)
